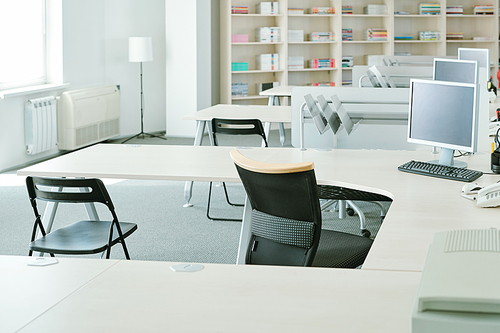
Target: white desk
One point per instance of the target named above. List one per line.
(142, 296)
(422, 205)
(274, 95)
(266, 114)
(28, 291)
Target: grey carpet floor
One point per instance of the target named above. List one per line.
(166, 230)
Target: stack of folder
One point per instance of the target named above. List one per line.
(346, 9)
(322, 36)
(454, 35)
(347, 34)
(322, 63)
(322, 10)
(239, 89)
(429, 35)
(430, 9)
(239, 10)
(375, 34)
(484, 9)
(455, 10)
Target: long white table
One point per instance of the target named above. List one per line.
(92, 295)
(422, 205)
(266, 114)
(148, 296)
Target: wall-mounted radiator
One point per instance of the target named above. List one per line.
(88, 116)
(40, 124)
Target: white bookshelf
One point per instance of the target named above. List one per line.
(396, 24)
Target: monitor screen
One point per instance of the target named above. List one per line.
(443, 114)
(482, 56)
(465, 71)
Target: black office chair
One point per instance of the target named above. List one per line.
(233, 127)
(286, 218)
(83, 237)
(336, 193)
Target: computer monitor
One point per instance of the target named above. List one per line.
(482, 56)
(443, 114)
(465, 71)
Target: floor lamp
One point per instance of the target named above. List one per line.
(140, 49)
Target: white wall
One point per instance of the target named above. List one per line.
(136, 18)
(95, 52)
(189, 62)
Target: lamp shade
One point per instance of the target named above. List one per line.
(140, 49)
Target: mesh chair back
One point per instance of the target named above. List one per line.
(286, 213)
(237, 127)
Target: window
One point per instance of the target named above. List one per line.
(23, 43)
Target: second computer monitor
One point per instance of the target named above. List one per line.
(443, 114)
(464, 71)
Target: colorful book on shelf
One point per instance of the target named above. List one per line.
(455, 10)
(375, 34)
(296, 11)
(403, 37)
(267, 62)
(322, 10)
(239, 38)
(239, 89)
(483, 39)
(268, 8)
(268, 34)
(484, 10)
(375, 10)
(322, 84)
(429, 8)
(346, 10)
(322, 63)
(346, 83)
(454, 35)
(239, 66)
(328, 36)
(347, 34)
(347, 61)
(239, 9)
(429, 35)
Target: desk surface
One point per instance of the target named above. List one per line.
(272, 114)
(142, 296)
(28, 291)
(422, 205)
(280, 91)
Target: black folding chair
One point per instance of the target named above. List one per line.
(233, 127)
(83, 237)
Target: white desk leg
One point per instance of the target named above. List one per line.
(188, 186)
(246, 226)
(281, 125)
(275, 100)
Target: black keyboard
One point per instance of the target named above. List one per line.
(440, 171)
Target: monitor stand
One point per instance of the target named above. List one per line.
(446, 158)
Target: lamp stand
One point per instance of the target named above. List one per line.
(142, 133)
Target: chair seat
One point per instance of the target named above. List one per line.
(84, 237)
(341, 250)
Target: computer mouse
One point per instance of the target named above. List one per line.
(471, 188)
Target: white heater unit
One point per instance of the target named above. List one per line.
(88, 116)
(40, 125)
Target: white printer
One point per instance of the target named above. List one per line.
(460, 286)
